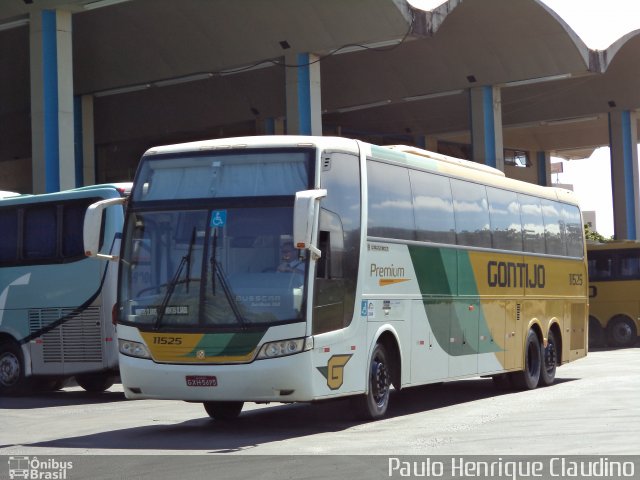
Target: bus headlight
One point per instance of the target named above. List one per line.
(133, 349)
(282, 348)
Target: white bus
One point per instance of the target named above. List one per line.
(417, 268)
(55, 303)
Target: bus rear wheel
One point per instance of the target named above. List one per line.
(549, 360)
(223, 410)
(528, 378)
(621, 332)
(374, 403)
(12, 379)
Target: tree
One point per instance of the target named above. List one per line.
(593, 235)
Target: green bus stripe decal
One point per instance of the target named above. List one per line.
(442, 275)
(228, 344)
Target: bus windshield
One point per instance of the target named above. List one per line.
(206, 249)
(212, 268)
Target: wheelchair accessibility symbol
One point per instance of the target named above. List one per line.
(218, 218)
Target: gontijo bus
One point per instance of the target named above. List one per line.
(55, 304)
(419, 268)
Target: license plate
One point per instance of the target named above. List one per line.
(202, 381)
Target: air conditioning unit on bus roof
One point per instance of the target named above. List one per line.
(447, 159)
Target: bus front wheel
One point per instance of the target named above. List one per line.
(223, 410)
(528, 378)
(374, 403)
(621, 332)
(12, 379)
(95, 383)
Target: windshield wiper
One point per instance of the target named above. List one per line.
(171, 286)
(216, 269)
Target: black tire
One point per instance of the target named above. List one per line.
(223, 410)
(596, 333)
(12, 379)
(48, 384)
(621, 332)
(550, 356)
(373, 405)
(95, 383)
(528, 378)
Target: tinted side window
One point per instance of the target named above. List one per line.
(629, 265)
(573, 230)
(339, 240)
(40, 233)
(553, 227)
(472, 214)
(532, 224)
(72, 223)
(433, 207)
(8, 235)
(600, 266)
(506, 226)
(390, 207)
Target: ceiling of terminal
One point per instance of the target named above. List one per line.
(206, 64)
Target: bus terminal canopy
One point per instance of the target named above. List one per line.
(158, 73)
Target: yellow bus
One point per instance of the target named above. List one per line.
(614, 293)
(410, 268)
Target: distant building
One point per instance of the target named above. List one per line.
(589, 218)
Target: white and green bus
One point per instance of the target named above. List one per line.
(55, 303)
(418, 268)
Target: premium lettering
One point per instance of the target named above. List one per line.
(388, 271)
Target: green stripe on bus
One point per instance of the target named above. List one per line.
(228, 344)
(443, 274)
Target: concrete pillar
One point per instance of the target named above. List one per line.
(486, 126)
(304, 108)
(270, 126)
(543, 163)
(427, 142)
(85, 140)
(52, 120)
(623, 140)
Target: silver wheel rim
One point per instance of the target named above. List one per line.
(9, 369)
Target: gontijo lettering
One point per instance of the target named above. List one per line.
(515, 275)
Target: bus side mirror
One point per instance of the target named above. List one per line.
(93, 226)
(305, 220)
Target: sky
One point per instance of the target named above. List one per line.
(598, 23)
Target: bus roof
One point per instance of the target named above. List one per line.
(7, 194)
(614, 245)
(123, 188)
(401, 154)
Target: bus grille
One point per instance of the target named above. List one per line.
(78, 339)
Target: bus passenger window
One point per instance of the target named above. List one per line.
(40, 235)
(9, 237)
(629, 266)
